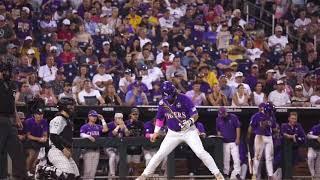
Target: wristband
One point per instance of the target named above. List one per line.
(103, 122)
(192, 119)
(157, 129)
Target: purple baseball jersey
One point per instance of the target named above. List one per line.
(227, 127)
(149, 127)
(183, 109)
(94, 130)
(36, 129)
(111, 127)
(296, 129)
(315, 130)
(262, 124)
(200, 127)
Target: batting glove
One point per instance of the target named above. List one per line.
(186, 124)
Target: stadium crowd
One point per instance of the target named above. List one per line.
(117, 52)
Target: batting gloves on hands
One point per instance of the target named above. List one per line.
(186, 124)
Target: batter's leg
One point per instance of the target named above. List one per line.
(258, 150)
(193, 140)
(269, 155)
(226, 158)
(170, 142)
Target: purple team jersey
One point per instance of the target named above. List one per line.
(36, 129)
(296, 129)
(183, 108)
(227, 127)
(149, 127)
(315, 130)
(93, 130)
(262, 124)
(111, 127)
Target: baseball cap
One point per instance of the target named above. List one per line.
(28, 38)
(238, 74)
(165, 44)
(234, 64)
(186, 49)
(261, 105)
(93, 113)
(164, 29)
(280, 82)
(53, 48)
(31, 51)
(11, 46)
(254, 65)
(39, 111)
(270, 71)
(2, 18)
(66, 22)
(176, 74)
(134, 110)
(118, 115)
(298, 87)
(203, 66)
(127, 71)
(222, 111)
(278, 28)
(26, 9)
(21, 115)
(105, 43)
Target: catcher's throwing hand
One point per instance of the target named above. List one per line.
(185, 124)
(154, 137)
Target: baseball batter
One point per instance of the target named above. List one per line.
(180, 114)
(262, 124)
(228, 126)
(314, 151)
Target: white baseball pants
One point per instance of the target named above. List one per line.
(314, 162)
(61, 162)
(113, 160)
(231, 149)
(90, 163)
(149, 153)
(263, 144)
(172, 140)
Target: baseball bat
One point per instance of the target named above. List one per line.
(164, 105)
(249, 160)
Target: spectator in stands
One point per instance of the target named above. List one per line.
(116, 129)
(315, 98)
(196, 96)
(277, 42)
(302, 22)
(217, 98)
(279, 97)
(89, 96)
(223, 36)
(299, 69)
(101, 79)
(280, 71)
(165, 50)
(34, 85)
(166, 20)
(298, 100)
(147, 79)
(25, 68)
(67, 92)
(223, 62)
(225, 89)
(67, 56)
(209, 76)
(111, 97)
(189, 56)
(270, 81)
(239, 80)
(24, 95)
(48, 95)
(240, 97)
(82, 36)
(134, 19)
(252, 78)
(33, 60)
(22, 130)
(178, 80)
(48, 72)
(11, 55)
(92, 131)
(257, 96)
(64, 33)
(37, 136)
(47, 24)
(136, 129)
(89, 57)
(83, 75)
(136, 95)
(57, 84)
(114, 66)
(8, 34)
(155, 93)
(176, 67)
(127, 79)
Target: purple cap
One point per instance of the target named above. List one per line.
(93, 113)
(261, 105)
(222, 111)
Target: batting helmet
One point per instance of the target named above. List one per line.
(169, 91)
(66, 104)
(269, 108)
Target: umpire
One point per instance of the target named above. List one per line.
(9, 122)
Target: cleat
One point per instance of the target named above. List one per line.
(219, 176)
(142, 177)
(254, 177)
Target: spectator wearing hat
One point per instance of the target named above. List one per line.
(7, 36)
(47, 23)
(136, 95)
(92, 131)
(209, 76)
(67, 56)
(114, 66)
(188, 56)
(165, 50)
(217, 98)
(89, 57)
(155, 93)
(104, 54)
(64, 32)
(225, 88)
(240, 97)
(280, 70)
(142, 35)
(29, 48)
(67, 92)
(177, 79)
(279, 97)
(37, 136)
(298, 100)
(101, 79)
(111, 97)
(89, 96)
(48, 95)
(223, 62)
(185, 39)
(309, 85)
(166, 20)
(12, 55)
(136, 129)
(270, 81)
(24, 95)
(277, 40)
(223, 36)
(257, 96)
(146, 78)
(252, 53)
(23, 25)
(127, 79)
(238, 79)
(104, 28)
(145, 56)
(48, 72)
(176, 67)
(315, 98)
(58, 83)
(174, 9)
(299, 69)
(252, 78)
(196, 96)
